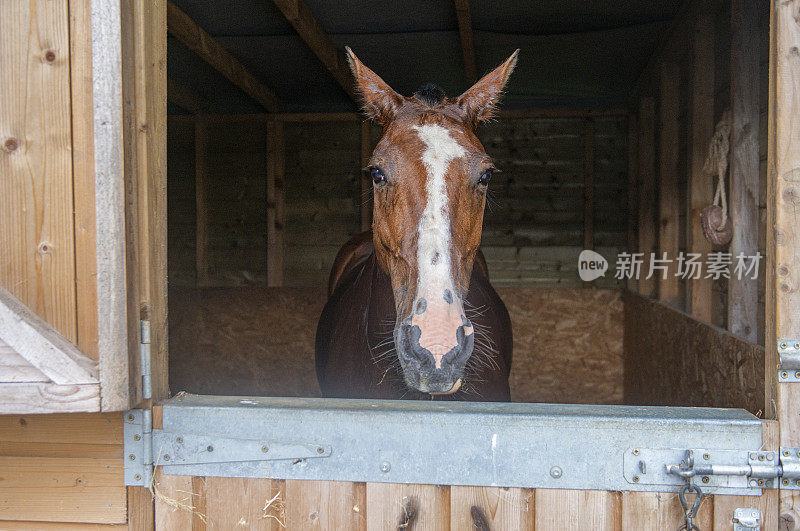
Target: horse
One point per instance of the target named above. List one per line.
(411, 313)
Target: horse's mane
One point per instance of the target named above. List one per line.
(430, 94)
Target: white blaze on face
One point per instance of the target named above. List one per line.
(440, 320)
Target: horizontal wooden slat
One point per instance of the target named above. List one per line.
(78, 428)
(34, 398)
(55, 449)
(77, 504)
(55, 472)
(8, 525)
(14, 368)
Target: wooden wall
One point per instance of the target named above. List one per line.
(533, 229)
(62, 472)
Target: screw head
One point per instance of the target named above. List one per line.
(706, 479)
(797, 482)
(556, 472)
(786, 453)
(137, 477)
(137, 437)
(210, 448)
(320, 450)
(785, 482)
(784, 374)
(130, 416)
(761, 457)
(385, 466)
(760, 482)
(783, 345)
(265, 448)
(770, 456)
(166, 457)
(635, 451)
(706, 456)
(752, 455)
(179, 440)
(132, 457)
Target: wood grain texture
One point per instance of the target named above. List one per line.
(786, 28)
(392, 506)
(744, 164)
(200, 42)
(661, 510)
(141, 509)
(83, 176)
(578, 509)
(668, 192)
(325, 505)
(175, 501)
(701, 127)
(647, 194)
(500, 508)
(666, 349)
(14, 368)
(8, 525)
(36, 192)
(247, 508)
(28, 398)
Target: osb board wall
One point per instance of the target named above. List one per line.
(533, 228)
(672, 359)
(260, 341)
(61, 468)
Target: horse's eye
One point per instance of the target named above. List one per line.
(486, 177)
(377, 175)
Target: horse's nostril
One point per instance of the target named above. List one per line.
(422, 304)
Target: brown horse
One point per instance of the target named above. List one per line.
(411, 311)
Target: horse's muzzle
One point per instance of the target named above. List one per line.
(422, 371)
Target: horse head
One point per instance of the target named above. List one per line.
(430, 175)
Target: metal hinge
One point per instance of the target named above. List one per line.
(146, 448)
(144, 353)
(789, 353)
(714, 468)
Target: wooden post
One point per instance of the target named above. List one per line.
(701, 124)
(366, 185)
(647, 227)
(275, 171)
(668, 204)
(588, 190)
(201, 146)
(743, 292)
(465, 33)
(784, 165)
(633, 188)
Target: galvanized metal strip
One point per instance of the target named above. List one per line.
(789, 353)
(136, 431)
(510, 445)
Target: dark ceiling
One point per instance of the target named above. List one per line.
(576, 53)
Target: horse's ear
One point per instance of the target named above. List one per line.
(379, 101)
(479, 101)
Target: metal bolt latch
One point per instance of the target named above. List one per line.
(746, 519)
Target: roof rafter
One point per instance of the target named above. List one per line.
(200, 42)
(465, 32)
(186, 98)
(305, 23)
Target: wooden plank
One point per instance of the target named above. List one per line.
(186, 98)
(313, 34)
(98, 451)
(744, 172)
(392, 506)
(209, 50)
(647, 178)
(786, 200)
(175, 501)
(14, 368)
(711, 366)
(325, 505)
(55, 472)
(633, 190)
(36, 191)
(29, 398)
(141, 509)
(366, 185)
(668, 202)
(83, 176)
(250, 508)
(201, 177)
(75, 430)
(491, 508)
(76, 504)
(701, 128)
(578, 509)
(661, 510)
(465, 34)
(275, 187)
(41, 345)
(8, 525)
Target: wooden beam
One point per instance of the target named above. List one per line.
(200, 42)
(633, 188)
(366, 185)
(668, 203)
(744, 175)
(783, 164)
(201, 177)
(465, 33)
(39, 398)
(647, 178)
(305, 23)
(275, 176)
(186, 98)
(588, 189)
(701, 128)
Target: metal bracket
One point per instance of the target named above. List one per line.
(144, 353)
(789, 352)
(746, 519)
(137, 438)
